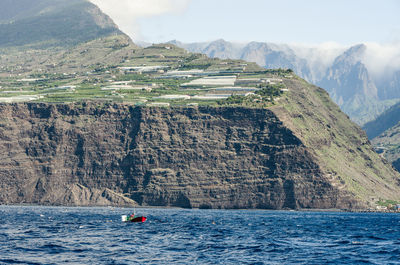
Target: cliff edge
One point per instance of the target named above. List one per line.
(287, 157)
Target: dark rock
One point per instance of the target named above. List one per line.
(185, 157)
(219, 157)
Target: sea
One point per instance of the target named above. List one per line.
(60, 235)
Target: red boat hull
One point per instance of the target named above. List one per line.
(140, 219)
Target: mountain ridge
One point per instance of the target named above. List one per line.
(384, 133)
(43, 23)
(385, 121)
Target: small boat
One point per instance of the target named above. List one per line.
(140, 219)
(129, 219)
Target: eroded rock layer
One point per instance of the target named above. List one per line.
(91, 154)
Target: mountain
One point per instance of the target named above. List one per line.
(41, 36)
(344, 73)
(220, 49)
(272, 56)
(385, 121)
(349, 83)
(115, 124)
(384, 133)
(396, 164)
(391, 90)
(46, 23)
(388, 143)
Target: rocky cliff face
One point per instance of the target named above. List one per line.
(86, 154)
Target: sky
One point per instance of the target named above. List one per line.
(345, 22)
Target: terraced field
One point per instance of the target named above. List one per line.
(161, 74)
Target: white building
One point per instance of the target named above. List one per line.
(213, 81)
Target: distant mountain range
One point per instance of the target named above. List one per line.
(344, 72)
(44, 23)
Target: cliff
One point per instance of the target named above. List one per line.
(341, 147)
(207, 157)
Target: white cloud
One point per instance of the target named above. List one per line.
(319, 57)
(382, 59)
(324, 53)
(126, 12)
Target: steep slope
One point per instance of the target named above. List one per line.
(385, 134)
(396, 164)
(390, 86)
(83, 57)
(388, 143)
(387, 120)
(341, 147)
(44, 23)
(58, 36)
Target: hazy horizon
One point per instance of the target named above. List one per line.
(310, 22)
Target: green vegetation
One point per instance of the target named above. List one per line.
(262, 98)
(114, 69)
(341, 146)
(271, 91)
(390, 204)
(62, 23)
(387, 202)
(384, 133)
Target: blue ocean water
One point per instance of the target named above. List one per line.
(58, 235)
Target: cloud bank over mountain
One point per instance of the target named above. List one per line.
(382, 60)
(126, 12)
